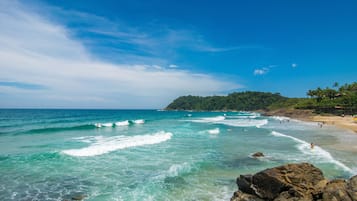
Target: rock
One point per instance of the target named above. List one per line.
(244, 183)
(352, 188)
(291, 182)
(79, 197)
(258, 154)
(294, 182)
(240, 196)
(299, 180)
(336, 190)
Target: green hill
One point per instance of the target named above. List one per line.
(248, 100)
(336, 100)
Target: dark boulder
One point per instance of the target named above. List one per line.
(294, 182)
(244, 183)
(299, 180)
(258, 154)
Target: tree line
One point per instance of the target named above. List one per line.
(246, 101)
(336, 100)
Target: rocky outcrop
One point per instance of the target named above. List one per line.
(294, 182)
(258, 154)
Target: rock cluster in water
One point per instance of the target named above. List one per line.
(294, 182)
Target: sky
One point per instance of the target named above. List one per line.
(127, 54)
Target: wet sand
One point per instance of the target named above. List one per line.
(338, 121)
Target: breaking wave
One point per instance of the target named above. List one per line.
(139, 121)
(102, 145)
(122, 123)
(317, 153)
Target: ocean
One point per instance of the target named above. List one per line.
(154, 155)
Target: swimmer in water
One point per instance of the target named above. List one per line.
(312, 145)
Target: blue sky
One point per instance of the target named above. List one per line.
(143, 54)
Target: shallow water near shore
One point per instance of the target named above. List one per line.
(155, 155)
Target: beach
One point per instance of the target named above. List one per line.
(339, 121)
(345, 122)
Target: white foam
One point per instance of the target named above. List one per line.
(317, 153)
(280, 118)
(175, 170)
(236, 122)
(98, 125)
(209, 119)
(107, 125)
(139, 121)
(122, 123)
(214, 131)
(245, 122)
(105, 145)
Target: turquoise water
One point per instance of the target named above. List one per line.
(154, 155)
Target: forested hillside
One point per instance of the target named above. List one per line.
(336, 100)
(235, 101)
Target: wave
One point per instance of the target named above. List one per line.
(209, 119)
(139, 121)
(281, 118)
(244, 116)
(236, 122)
(99, 125)
(214, 131)
(58, 129)
(318, 154)
(245, 122)
(103, 145)
(122, 123)
(175, 170)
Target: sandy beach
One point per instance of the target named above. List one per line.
(345, 122)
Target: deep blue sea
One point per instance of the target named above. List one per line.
(154, 155)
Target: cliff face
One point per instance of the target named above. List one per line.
(294, 182)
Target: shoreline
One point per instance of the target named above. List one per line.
(345, 122)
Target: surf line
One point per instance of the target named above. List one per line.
(305, 148)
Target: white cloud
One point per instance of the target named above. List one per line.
(36, 51)
(261, 71)
(173, 66)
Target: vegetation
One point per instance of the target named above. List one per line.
(335, 100)
(342, 100)
(235, 101)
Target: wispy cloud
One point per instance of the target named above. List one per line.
(264, 70)
(35, 51)
(152, 40)
(21, 85)
(261, 71)
(294, 65)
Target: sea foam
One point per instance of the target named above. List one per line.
(317, 153)
(245, 122)
(236, 122)
(139, 121)
(214, 131)
(103, 145)
(122, 123)
(209, 119)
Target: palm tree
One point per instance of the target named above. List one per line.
(335, 85)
